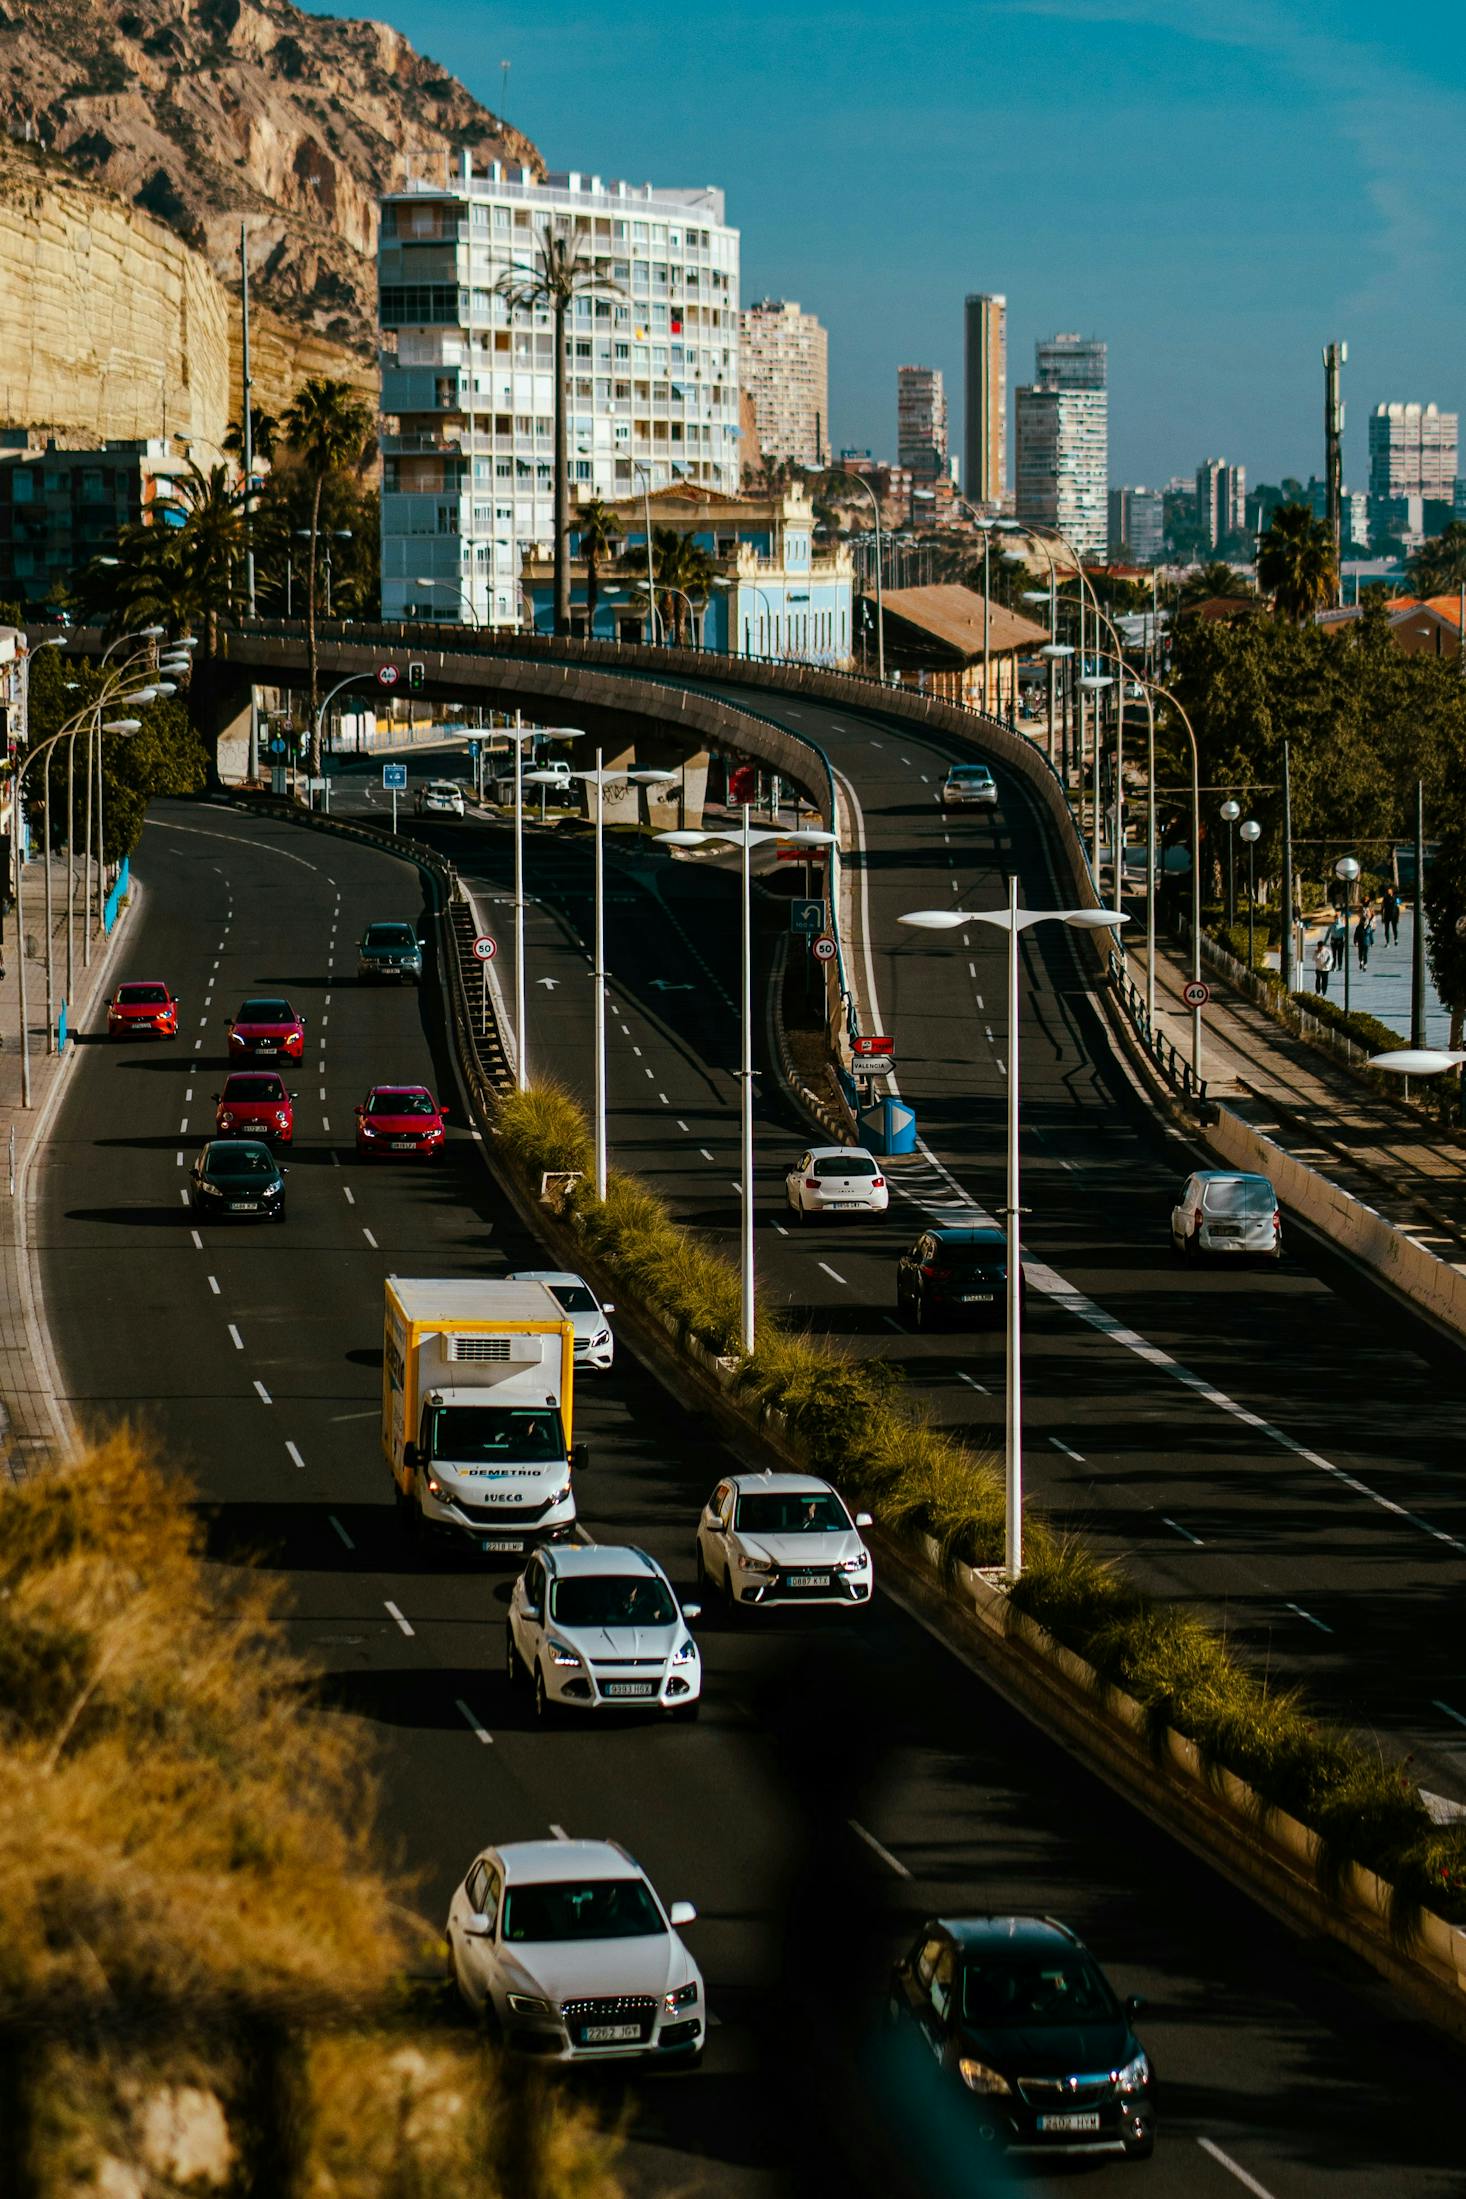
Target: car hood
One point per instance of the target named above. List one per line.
(141, 1007)
(253, 1106)
(398, 953)
(585, 1969)
(622, 1641)
(831, 1547)
(1073, 2050)
(400, 1125)
(584, 1326)
(267, 1030)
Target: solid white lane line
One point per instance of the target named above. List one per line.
(214, 1285)
(237, 1338)
(198, 1242)
(1184, 1532)
(833, 1274)
(972, 1382)
(341, 1531)
(371, 1240)
(892, 1863)
(1456, 1714)
(295, 1457)
(397, 1615)
(1058, 1446)
(479, 1731)
(262, 1393)
(1302, 1614)
(349, 1194)
(707, 1156)
(1233, 2168)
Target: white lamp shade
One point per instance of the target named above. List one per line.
(1347, 868)
(1231, 811)
(936, 920)
(1251, 831)
(1417, 1061)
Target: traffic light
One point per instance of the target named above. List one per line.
(416, 674)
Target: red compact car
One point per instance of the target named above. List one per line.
(264, 1027)
(255, 1104)
(399, 1118)
(141, 1010)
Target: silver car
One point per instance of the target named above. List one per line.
(595, 1346)
(1223, 1211)
(969, 786)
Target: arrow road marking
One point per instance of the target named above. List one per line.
(549, 983)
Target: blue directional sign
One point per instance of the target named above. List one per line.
(277, 745)
(806, 918)
(394, 778)
(473, 752)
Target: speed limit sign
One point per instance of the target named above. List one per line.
(823, 948)
(1196, 995)
(386, 675)
(485, 949)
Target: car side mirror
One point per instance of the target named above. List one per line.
(681, 1912)
(691, 1611)
(294, 1095)
(579, 1457)
(284, 1171)
(716, 1527)
(216, 1095)
(608, 1307)
(477, 1925)
(1135, 2004)
(533, 1610)
(411, 1455)
(361, 1110)
(863, 1519)
(229, 1023)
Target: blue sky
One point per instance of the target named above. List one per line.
(1217, 188)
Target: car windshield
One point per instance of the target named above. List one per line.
(495, 1435)
(1249, 1197)
(444, 786)
(390, 935)
(142, 996)
(253, 1088)
(847, 1164)
(971, 1256)
(574, 1297)
(238, 1160)
(611, 1599)
(1014, 1996)
(266, 1011)
(597, 1908)
(974, 772)
(393, 1102)
(791, 1512)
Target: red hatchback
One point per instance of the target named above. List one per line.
(142, 1010)
(399, 1118)
(265, 1027)
(255, 1104)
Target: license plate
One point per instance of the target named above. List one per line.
(807, 1580)
(499, 1542)
(628, 1687)
(609, 2034)
(978, 1297)
(244, 1206)
(844, 1206)
(1069, 2122)
(403, 1145)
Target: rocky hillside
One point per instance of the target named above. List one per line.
(199, 112)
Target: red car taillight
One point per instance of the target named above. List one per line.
(811, 1183)
(878, 1183)
(1196, 1219)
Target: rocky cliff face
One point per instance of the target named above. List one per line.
(200, 112)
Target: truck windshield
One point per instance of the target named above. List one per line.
(493, 1435)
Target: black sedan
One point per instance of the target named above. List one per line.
(958, 1273)
(238, 1176)
(1027, 2034)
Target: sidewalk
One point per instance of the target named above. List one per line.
(33, 1423)
(1381, 1153)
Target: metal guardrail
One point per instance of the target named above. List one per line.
(1173, 1064)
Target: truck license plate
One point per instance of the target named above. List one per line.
(500, 1542)
(1069, 2122)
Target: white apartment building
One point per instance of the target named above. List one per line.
(921, 421)
(784, 360)
(1412, 452)
(1062, 441)
(468, 381)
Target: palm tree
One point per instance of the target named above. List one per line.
(1216, 579)
(264, 435)
(1296, 563)
(1439, 565)
(599, 530)
(173, 576)
(558, 274)
(328, 427)
(680, 563)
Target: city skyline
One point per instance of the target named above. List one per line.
(1242, 132)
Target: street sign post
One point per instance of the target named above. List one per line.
(823, 948)
(806, 918)
(1196, 994)
(873, 1057)
(394, 779)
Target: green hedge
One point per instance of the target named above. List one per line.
(854, 1423)
(1365, 1030)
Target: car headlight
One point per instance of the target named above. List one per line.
(529, 2004)
(979, 2078)
(603, 1336)
(282, 1118)
(1135, 2076)
(684, 1997)
(854, 1565)
(562, 1496)
(562, 1654)
(748, 1564)
(272, 1191)
(685, 1652)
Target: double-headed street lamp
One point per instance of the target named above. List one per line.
(747, 837)
(1230, 812)
(1014, 920)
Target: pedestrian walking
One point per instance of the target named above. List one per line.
(1339, 938)
(1364, 935)
(1323, 962)
(1389, 916)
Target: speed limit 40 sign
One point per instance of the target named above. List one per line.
(1196, 995)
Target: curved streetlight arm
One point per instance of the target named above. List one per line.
(855, 481)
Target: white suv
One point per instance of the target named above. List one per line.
(600, 1629)
(782, 1538)
(564, 1948)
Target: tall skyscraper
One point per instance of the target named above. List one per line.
(1221, 500)
(985, 399)
(1062, 443)
(784, 360)
(1137, 525)
(1412, 451)
(921, 421)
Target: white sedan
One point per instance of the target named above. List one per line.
(836, 1179)
(595, 1346)
(600, 1629)
(781, 1538)
(565, 1950)
(440, 798)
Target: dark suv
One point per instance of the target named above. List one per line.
(1028, 2035)
(390, 950)
(951, 1275)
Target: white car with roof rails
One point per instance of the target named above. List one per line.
(595, 1346)
(595, 1628)
(836, 1179)
(766, 1539)
(564, 1949)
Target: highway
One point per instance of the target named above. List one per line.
(845, 1780)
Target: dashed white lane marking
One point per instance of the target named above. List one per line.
(707, 1156)
(188, 1095)
(348, 1194)
(203, 1023)
(183, 1194)
(235, 1337)
(1184, 1532)
(651, 1072)
(327, 1001)
(183, 1127)
(1002, 1066)
(325, 1122)
(972, 969)
(682, 1126)
(262, 1393)
(1248, 2183)
(214, 1285)
(1299, 1612)
(1058, 1446)
(892, 1862)
(178, 1160)
(637, 1051)
(834, 1275)
(972, 1382)
(892, 1323)
(783, 1232)
(371, 1240)
(323, 1091)
(341, 1531)
(1456, 1714)
(295, 1457)
(198, 1242)
(559, 1832)
(324, 1021)
(198, 1045)
(397, 1615)
(664, 1099)
(479, 1731)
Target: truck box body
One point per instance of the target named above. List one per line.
(476, 1410)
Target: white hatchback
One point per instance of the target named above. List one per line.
(595, 1346)
(969, 786)
(782, 1539)
(563, 1947)
(595, 1628)
(836, 1179)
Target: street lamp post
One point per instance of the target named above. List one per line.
(1231, 811)
(1155, 687)
(1347, 870)
(1251, 833)
(865, 488)
(746, 838)
(465, 600)
(519, 736)
(1013, 920)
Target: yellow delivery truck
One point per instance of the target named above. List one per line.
(476, 1411)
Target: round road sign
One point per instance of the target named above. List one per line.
(1196, 995)
(387, 675)
(486, 949)
(823, 948)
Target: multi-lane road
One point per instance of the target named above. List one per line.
(845, 1779)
